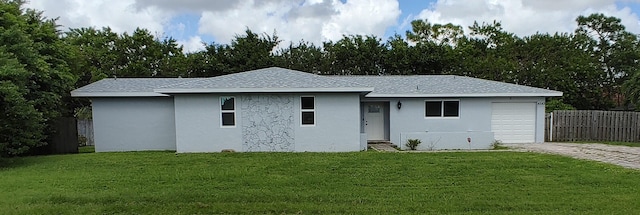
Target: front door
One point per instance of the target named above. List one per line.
(374, 121)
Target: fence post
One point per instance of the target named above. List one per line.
(551, 127)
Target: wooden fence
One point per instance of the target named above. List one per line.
(85, 132)
(65, 140)
(590, 125)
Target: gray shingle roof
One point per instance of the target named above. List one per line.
(440, 85)
(268, 78)
(131, 86)
(284, 80)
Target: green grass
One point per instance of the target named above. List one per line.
(308, 183)
(86, 149)
(632, 144)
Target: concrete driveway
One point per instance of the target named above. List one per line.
(619, 155)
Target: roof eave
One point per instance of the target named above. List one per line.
(466, 95)
(266, 90)
(116, 94)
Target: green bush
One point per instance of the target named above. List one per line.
(412, 143)
(557, 104)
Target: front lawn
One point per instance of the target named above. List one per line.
(342, 183)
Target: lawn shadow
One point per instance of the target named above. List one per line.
(14, 162)
(28, 160)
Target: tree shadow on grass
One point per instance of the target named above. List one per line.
(13, 162)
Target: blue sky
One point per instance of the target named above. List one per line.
(193, 22)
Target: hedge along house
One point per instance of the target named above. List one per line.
(277, 109)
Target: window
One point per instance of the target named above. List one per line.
(450, 108)
(433, 109)
(228, 111)
(442, 109)
(374, 108)
(307, 110)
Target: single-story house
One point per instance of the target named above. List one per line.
(276, 109)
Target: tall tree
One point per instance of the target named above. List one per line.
(93, 54)
(303, 56)
(631, 89)
(208, 63)
(143, 55)
(35, 78)
(490, 53)
(355, 55)
(250, 51)
(399, 59)
(433, 47)
(556, 62)
(615, 49)
(426, 32)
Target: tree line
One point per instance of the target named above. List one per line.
(596, 66)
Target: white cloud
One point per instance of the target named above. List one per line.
(362, 17)
(526, 17)
(317, 20)
(313, 21)
(120, 15)
(193, 44)
(188, 5)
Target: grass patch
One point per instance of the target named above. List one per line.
(632, 144)
(86, 149)
(326, 183)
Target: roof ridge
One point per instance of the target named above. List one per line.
(191, 81)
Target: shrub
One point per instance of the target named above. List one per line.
(497, 144)
(82, 140)
(413, 143)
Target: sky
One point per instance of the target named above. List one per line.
(194, 22)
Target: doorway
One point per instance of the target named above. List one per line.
(374, 120)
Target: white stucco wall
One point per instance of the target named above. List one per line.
(133, 124)
(475, 118)
(337, 125)
(198, 127)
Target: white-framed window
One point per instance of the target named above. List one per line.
(227, 111)
(307, 110)
(442, 109)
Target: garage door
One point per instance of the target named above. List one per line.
(514, 122)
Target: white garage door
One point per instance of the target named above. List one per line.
(514, 122)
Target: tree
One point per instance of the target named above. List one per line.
(399, 59)
(631, 88)
(250, 51)
(355, 55)
(208, 63)
(424, 32)
(143, 55)
(303, 56)
(93, 54)
(97, 54)
(615, 49)
(555, 62)
(35, 78)
(433, 49)
(490, 54)
(21, 125)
